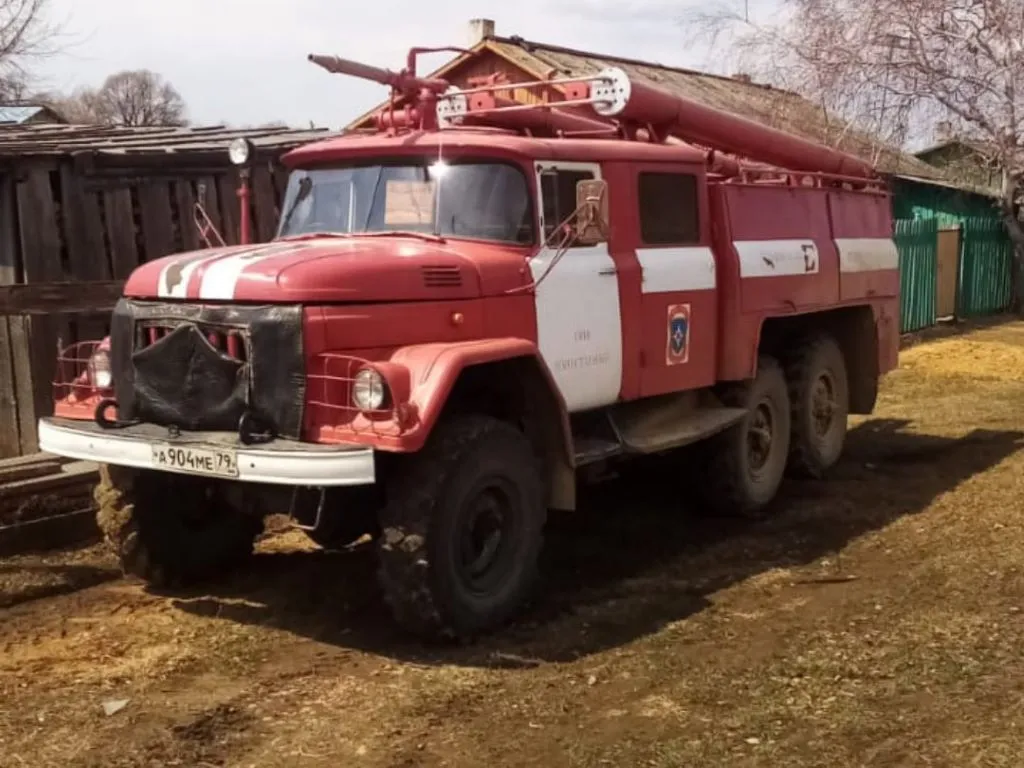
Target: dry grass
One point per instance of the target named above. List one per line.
(875, 620)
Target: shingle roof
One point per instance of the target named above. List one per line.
(771, 106)
(55, 139)
(19, 113)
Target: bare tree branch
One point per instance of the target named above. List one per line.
(25, 33)
(136, 97)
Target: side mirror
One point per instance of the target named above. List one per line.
(591, 224)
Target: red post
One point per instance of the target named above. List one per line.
(245, 225)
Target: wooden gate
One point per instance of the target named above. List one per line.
(948, 272)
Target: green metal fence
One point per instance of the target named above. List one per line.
(917, 241)
(986, 268)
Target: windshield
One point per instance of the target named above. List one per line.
(470, 199)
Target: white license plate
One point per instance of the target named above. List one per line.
(221, 462)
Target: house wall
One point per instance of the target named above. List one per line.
(483, 64)
(951, 207)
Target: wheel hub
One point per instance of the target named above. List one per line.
(484, 537)
(823, 404)
(760, 435)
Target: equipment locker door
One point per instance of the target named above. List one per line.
(679, 307)
(579, 329)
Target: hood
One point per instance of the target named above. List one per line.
(327, 269)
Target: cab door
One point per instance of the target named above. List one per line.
(579, 328)
(679, 307)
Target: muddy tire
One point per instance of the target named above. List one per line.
(745, 464)
(819, 394)
(168, 530)
(462, 530)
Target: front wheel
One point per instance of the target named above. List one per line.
(172, 530)
(746, 464)
(462, 529)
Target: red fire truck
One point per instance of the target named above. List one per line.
(468, 305)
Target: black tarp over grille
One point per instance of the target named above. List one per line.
(182, 379)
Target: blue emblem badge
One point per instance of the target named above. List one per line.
(679, 327)
(678, 334)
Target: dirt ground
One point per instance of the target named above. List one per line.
(876, 619)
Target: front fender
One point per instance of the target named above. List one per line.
(435, 368)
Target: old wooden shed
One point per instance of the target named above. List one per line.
(80, 208)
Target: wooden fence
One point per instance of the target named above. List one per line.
(952, 272)
(80, 208)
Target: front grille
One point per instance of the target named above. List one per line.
(203, 367)
(231, 342)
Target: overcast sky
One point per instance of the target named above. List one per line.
(244, 61)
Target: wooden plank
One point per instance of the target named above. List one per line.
(209, 198)
(37, 219)
(33, 458)
(124, 250)
(28, 471)
(948, 276)
(157, 226)
(48, 298)
(21, 358)
(227, 188)
(83, 226)
(83, 474)
(55, 532)
(10, 434)
(186, 199)
(87, 252)
(264, 207)
(40, 244)
(280, 176)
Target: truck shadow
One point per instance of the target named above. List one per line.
(633, 559)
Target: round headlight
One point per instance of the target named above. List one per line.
(100, 375)
(368, 390)
(240, 151)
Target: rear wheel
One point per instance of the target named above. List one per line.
(746, 463)
(462, 530)
(819, 401)
(172, 530)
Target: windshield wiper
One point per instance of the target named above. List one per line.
(404, 233)
(305, 187)
(387, 233)
(314, 235)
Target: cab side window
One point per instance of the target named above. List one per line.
(668, 208)
(558, 190)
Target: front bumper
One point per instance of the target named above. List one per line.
(279, 462)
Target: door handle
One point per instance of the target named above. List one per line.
(608, 271)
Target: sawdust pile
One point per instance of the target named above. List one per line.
(977, 358)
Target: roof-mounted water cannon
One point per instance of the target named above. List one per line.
(421, 92)
(405, 82)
